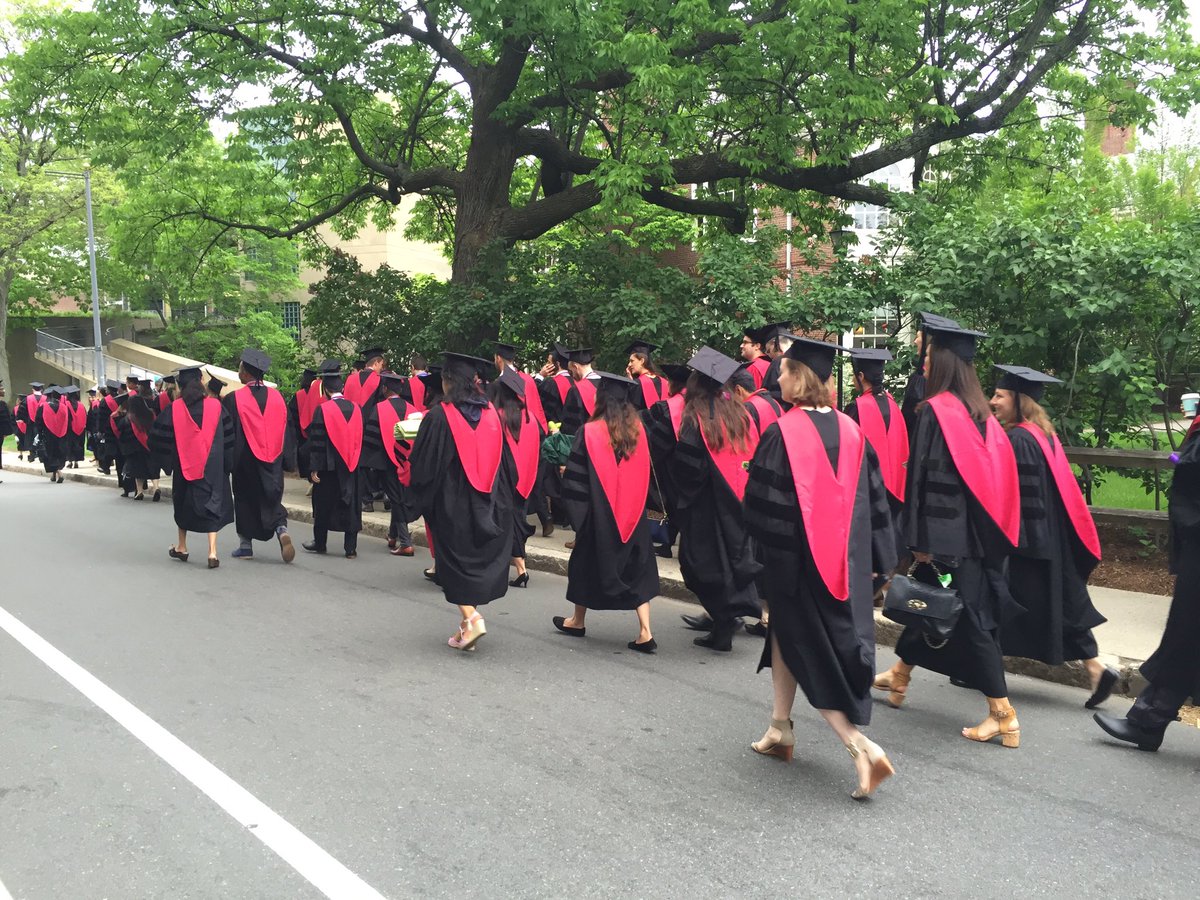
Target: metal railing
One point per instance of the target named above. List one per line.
(82, 360)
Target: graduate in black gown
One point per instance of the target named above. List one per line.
(193, 441)
(105, 436)
(506, 360)
(708, 474)
(463, 478)
(7, 424)
(816, 505)
(139, 471)
(523, 435)
(553, 390)
(605, 487)
(388, 458)
(652, 387)
(962, 515)
(26, 412)
(1047, 613)
(580, 405)
(258, 416)
(776, 338)
(335, 440)
(362, 388)
(1173, 669)
(53, 422)
(76, 436)
(662, 422)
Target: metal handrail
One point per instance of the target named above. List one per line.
(82, 359)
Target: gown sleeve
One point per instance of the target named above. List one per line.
(1035, 496)
(428, 459)
(772, 511)
(576, 491)
(883, 533)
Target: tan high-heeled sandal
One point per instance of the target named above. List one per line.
(881, 767)
(896, 684)
(782, 748)
(1007, 728)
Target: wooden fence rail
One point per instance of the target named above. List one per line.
(1157, 461)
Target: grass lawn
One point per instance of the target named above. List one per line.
(1123, 492)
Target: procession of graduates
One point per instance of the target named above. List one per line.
(957, 512)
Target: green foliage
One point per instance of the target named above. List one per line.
(221, 343)
(598, 290)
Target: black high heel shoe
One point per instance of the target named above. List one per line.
(520, 581)
(431, 574)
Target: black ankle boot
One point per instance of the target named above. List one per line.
(1124, 730)
(720, 638)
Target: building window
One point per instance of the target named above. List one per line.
(867, 216)
(876, 331)
(291, 317)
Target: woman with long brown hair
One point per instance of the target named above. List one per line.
(140, 467)
(817, 508)
(523, 436)
(1047, 614)
(605, 486)
(708, 469)
(961, 518)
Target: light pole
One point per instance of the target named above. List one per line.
(97, 338)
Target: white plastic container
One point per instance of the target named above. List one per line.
(1190, 401)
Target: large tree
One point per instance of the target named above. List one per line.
(513, 116)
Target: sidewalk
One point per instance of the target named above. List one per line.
(1135, 620)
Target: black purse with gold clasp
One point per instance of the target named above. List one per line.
(930, 608)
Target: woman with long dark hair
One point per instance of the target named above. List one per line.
(523, 436)
(817, 508)
(605, 486)
(193, 440)
(708, 470)
(140, 469)
(52, 420)
(463, 481)
(1047, 613)
(962, 517)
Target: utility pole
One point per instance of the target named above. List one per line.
(97, 338)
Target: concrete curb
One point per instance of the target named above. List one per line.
(540, 559)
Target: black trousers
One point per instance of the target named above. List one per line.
(349, 538)
(1173, 670)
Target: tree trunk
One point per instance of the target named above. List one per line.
(483, 195)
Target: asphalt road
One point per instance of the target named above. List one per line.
(537, 766)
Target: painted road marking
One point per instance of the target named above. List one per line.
(324, 872)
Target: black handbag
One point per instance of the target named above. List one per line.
(930, 608)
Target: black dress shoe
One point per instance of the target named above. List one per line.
(311, 547)
(520, 581)
(645, 647)
(698, 623)
(720, 639)
(1124, 730)
(758, 629)
(548, 529)
(431, 574)
(662, 550)
(1104, 687)
(559, 623)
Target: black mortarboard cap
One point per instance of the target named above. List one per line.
(36, 385)
(481, 367)
(947, 333)
(256, 359)
(583, 356)
(1025, 380)
(94, 389)
(614, 386)
(392, 381)
(72, 389)
(817, 355)
(372, 353)
(145, 382)
(132, 377)
(168, 379)
(870, 361)
(112, 385)
(122, 399)
(215, 384)
(675, 373)
(329, 365)
(641, 346)
(513, 382)
(713, 364)
(308, 373)
(771, 330)
(188, 374)
(505, 351)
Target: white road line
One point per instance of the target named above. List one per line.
(4, 894)
(324, 872)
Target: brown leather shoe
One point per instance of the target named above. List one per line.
(402, 551)
(570, 545)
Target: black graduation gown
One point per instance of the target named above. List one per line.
(1047, 613)
(716, 555)
(26, 440)
(471, 530)
(337, 497)
(257, 486)
(139, 462)
(206, 504)
(894, 504)
(943, 518)
(52, 449)
(604, 572)
(663, 442)
(549, 481)
(914, 393)
(376, 459)
(828, 644)
(771, 381)
(1174, 668)
(574, 413)
(7, 425)
(75, 442)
